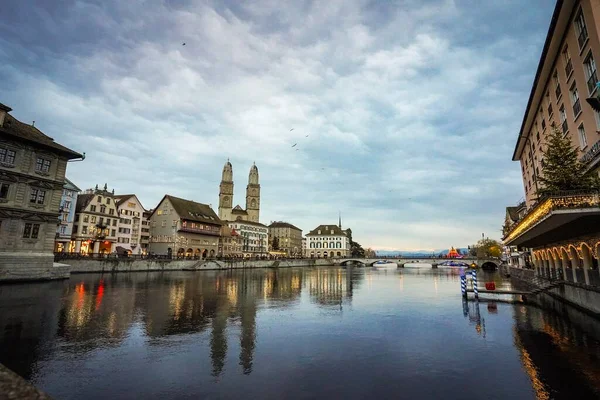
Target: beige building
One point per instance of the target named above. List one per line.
(131, 218)
(230, 243)
(145, 234)
(96, 222)
(252, 210)
(327, 241)
(254, 237)
(560, 233)
(32, 175)
(184, 228)
(287, 237)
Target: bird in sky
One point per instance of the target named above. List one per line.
(294, 144)
(183, 44)
(306, 136)
(297, 149)
(291, 129)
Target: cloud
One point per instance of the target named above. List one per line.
(412, 109)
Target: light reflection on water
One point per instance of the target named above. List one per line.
(293, 333)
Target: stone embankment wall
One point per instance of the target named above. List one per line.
(32, 266)
(124, 265)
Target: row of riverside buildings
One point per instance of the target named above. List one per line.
(42, 212)
(559, 234)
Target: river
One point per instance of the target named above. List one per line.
(294, 333)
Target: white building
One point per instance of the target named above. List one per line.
(327, 241)
(131, 215)
(254, 237)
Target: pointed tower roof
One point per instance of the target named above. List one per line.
(227, 175)
(253, 175)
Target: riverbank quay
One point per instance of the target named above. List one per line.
(12, 386)
(65, 266)
(584, 298)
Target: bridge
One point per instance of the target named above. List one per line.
(485, 263)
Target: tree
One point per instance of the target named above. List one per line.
(275, 244)
(356, 250)
(561, 169)
(486, 248)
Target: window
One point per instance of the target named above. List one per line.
(107, 200)
(537, 136)
(114, 223)
(589, 67)
(31, 231)
(575, 101)
(42, 165)
(163, 223)
(37, 196)
(556, 85)
(581, 29)
(563, 119)
(543, 125)
(582, 138)
(103, 209)
(93, 219)
(101, 221)
(93, 208)
(4, 190)
(86, 218)
(112, 232)
(111, 211)
(568, 63)
(7, 156)
(99, 199)
(550, 110)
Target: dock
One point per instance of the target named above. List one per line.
(499, 291)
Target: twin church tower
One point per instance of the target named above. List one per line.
(252, 211)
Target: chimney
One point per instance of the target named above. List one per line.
(3, 111)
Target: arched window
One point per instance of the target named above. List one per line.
(312, 245)
(339, 245)
(253, 203)
(331, 245)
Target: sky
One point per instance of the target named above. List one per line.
(404, 113)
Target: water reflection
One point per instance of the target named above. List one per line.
(272, 324)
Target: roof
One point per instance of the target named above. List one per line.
(68, 184)
(17, 130)
(538, 75)
(122, 198)
(513, 213)
(238, 210)
(326, 230)
(82, 201)
(281, 224)
(249, 223)
(192, 211)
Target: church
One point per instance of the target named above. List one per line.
(252, 211)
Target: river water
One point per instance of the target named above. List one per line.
(290, 333)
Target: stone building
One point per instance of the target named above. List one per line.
(131, 217)
(96, 222)
(561, 230)
(327, 241)
(184, 228)
(287, 237)
(254, 237)
(68, 201)
(230, 243)
(252, 210)
(145, 234)
(32, 175)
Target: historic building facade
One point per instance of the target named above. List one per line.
(327, 241)
(131, 218)
(68, 201)
(184, 228)
(254, 237)
(230, 242)
(226, 210)
(560, 232)
(32, 176)
(287, 237)
(145, 234)
(96, 222)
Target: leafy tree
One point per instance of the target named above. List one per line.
(486, 248)
(561, 169)
(356, 250)
(275, 244)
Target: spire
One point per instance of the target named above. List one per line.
(227, 175)
(253, 176)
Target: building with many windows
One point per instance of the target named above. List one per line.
(145, 234)
(96, 222)
(561, 231)
(68, 202)
(131, 218)
(184, 228)
(230, 243)
(32, 176)
(327, 241)
(286, 238)
(254, 237)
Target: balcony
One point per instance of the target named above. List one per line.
(568, 68)
(565, 127)
(556, 217)
(591, 82)
(576, 108)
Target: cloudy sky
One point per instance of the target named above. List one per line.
(411, 107)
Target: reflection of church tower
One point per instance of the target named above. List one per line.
(248, 337)
(253, 195)
(218, 340)
(226, 193)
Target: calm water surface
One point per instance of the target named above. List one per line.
(290, 333)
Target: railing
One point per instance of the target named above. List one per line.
(591, 82)
(565, 127)
(576, 108)
(568, 68)
(562, 200)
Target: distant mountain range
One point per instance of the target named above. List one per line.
(416, 253)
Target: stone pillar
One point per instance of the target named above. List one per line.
(78, 246)
(574, 266)
(588, 264)
(552, 267)
(113, 247)
(96, 247)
